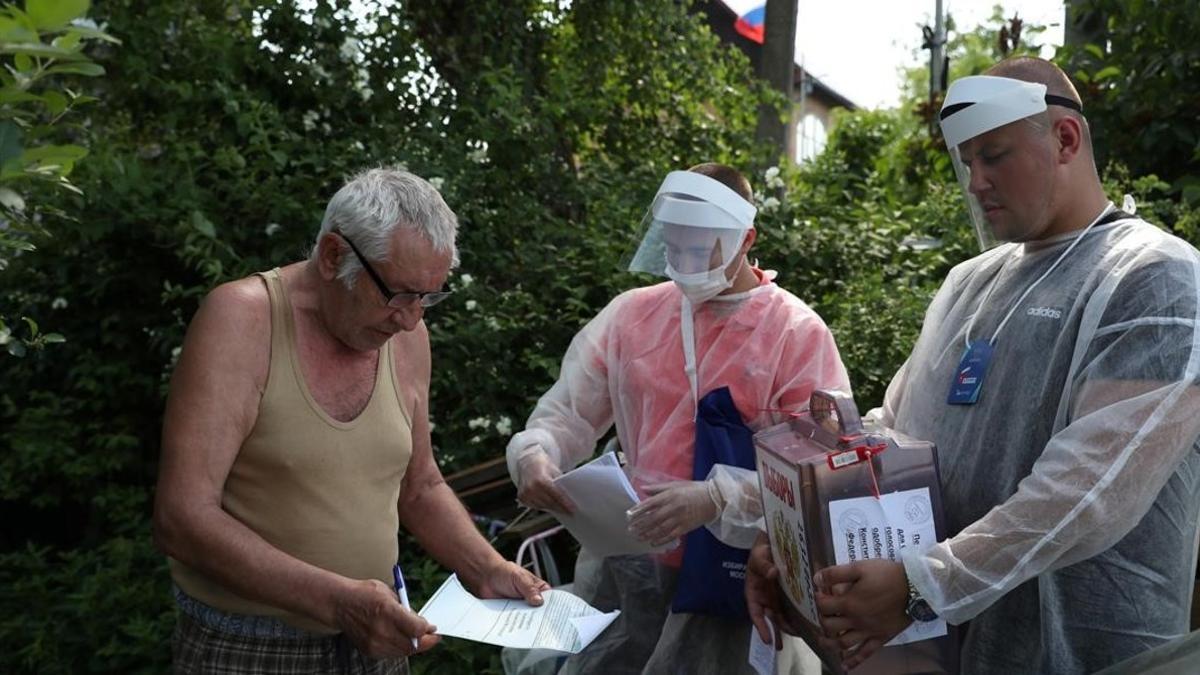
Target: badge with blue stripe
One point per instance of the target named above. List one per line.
(968, 377)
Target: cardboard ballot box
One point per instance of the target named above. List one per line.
(833, 494)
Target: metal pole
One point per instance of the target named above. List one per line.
(936, 54)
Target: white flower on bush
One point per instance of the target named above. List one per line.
(5, 335)
(466, 280)
(310, 119)
(478, 151)
(437, 182)
(272, 229)
(479, 423)
(492, 323)
(471, 305)
(770, 204)
(504, 426)
(58, 303)
(773, 180)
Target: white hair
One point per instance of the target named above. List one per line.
(373, 203)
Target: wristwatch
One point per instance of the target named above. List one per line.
(916, 608)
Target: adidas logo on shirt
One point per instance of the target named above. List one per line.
(1044, 312)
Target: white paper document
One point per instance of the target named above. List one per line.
(866, 528)
(601, 493)
(762, 655)
(563, 622)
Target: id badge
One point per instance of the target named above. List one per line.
(968, 378)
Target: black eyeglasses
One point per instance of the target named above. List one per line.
(395, 299)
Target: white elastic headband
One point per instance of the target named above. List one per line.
(692, 213)
(731, 210)
(978, 104)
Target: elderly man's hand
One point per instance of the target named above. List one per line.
(764, 598)
(862, 606)
(536, 487)
(509, 580)
(370, 614)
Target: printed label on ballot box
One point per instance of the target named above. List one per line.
(783, 515)
(866, 528)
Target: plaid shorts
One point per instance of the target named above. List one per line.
(199, 650)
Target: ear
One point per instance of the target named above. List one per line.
(329, 255)
(748, 241)
(1068, 132)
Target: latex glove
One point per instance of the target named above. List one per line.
(536, 488)
(674, 509)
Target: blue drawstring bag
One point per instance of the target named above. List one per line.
(713, 575)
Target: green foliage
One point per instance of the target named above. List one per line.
(1141, 88)
(865, 234)
(42, 52)
(547, 126)
(228, 127)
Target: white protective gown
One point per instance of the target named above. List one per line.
(1072, 488)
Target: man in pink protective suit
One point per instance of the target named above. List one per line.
(643, 363)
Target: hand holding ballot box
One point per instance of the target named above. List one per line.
(833, 494)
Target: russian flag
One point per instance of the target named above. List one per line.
(750, 16)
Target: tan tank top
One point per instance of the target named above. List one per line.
(317, 489)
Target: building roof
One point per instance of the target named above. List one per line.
(721, 19)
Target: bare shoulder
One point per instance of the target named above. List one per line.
(234, 322)
(227, 351)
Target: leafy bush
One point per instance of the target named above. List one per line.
(223, 128)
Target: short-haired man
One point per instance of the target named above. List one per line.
(1058, 375)
(296, 442)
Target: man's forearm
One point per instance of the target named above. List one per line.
(444, 529)
(225, 550)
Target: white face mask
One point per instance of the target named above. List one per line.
(701, 286)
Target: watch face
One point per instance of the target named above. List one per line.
(919, 610)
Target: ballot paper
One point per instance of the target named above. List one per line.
(763, 654)
(601, 493)
(866, 528)
(563, 622)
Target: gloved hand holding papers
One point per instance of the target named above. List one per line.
(603, 494)
(563, 622)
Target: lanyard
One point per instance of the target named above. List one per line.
(992, 340)
(687, 331)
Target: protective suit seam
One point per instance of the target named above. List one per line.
(1147, 321)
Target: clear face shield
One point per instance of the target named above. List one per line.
(979, 104)
(694, 226)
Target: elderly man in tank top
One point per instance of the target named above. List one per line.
(296, 443)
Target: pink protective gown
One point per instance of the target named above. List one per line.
(626, 366)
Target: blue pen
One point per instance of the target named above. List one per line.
(398, 577)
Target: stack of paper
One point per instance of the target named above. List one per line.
(602, 495)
